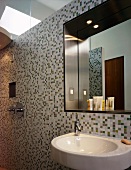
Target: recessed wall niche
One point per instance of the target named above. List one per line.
(12, 89)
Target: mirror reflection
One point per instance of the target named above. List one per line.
(100, 74)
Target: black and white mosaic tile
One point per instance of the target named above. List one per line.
(95, 72)
(39, 75)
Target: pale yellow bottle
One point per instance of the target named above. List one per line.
(103, 104)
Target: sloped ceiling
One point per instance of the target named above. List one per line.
(55, 4)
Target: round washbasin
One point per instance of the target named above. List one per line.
(84, 145)
(86, 152)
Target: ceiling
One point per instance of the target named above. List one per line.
(54, 4)
(79, 28)
(18, 16)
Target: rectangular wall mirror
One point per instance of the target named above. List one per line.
(97, 55)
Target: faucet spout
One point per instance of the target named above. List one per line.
(77, 127)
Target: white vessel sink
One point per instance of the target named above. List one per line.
(86, 152)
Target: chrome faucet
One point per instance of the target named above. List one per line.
(77, 127)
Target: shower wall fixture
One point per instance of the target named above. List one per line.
(16, 108)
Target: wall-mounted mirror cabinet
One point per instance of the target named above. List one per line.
(97, 55)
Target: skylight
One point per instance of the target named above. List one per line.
(17, 22)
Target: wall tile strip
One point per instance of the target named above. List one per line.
(95, 72)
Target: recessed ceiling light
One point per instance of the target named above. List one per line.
(96, 26)
(89, 22)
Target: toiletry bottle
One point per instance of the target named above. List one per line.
(103, 104)
(88, 105)
(95, 102)
(91, 104)
(107, 104)
(111, 103)
(95, 105)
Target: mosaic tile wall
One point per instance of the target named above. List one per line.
(95, 72)
(38, 72)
